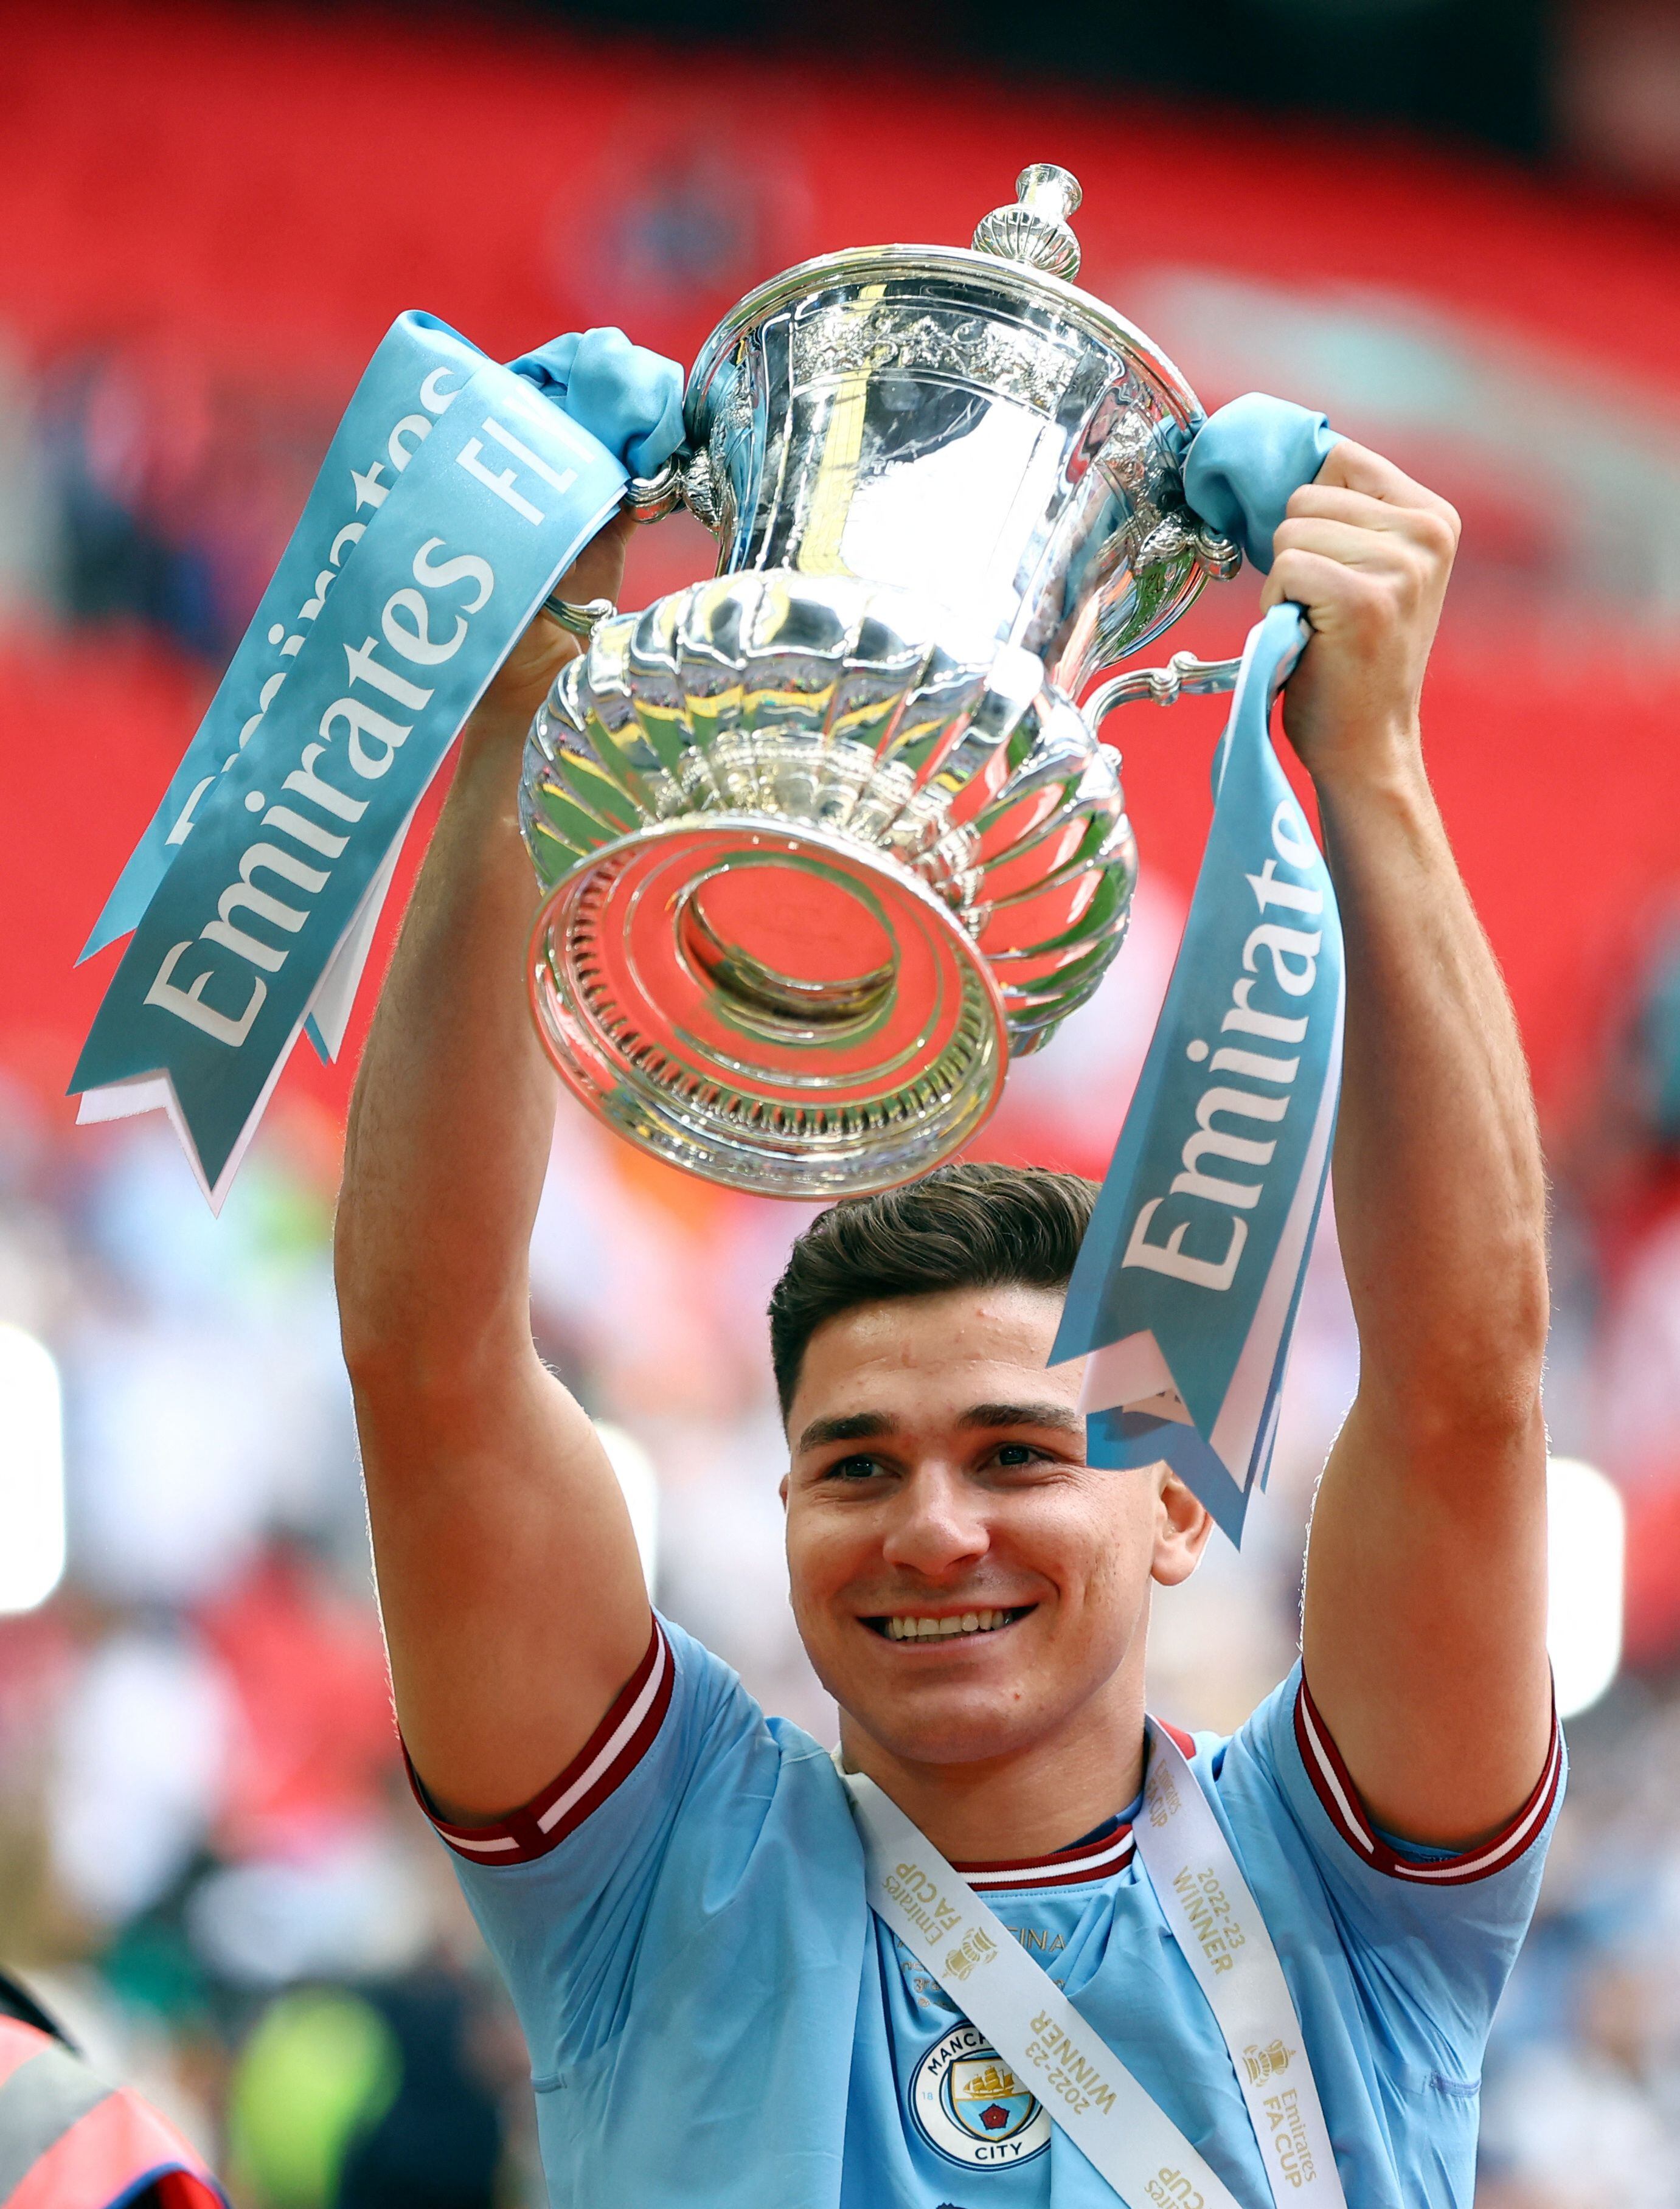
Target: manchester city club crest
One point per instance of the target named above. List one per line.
(969, 2105)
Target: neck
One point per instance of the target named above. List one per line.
(1026, 1801)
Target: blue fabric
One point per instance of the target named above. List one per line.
(715, 2019)
(626, 398)
(1245, 463)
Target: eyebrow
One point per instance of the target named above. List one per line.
(856, 1427)
(1024, 1414)
(867, 1426)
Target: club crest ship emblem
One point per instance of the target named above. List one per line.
(970, 2105)
(1264, 2063)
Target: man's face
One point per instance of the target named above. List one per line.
(965, 1584)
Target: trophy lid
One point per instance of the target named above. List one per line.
(1024, 254)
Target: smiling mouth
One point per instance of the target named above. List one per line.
(961, 1625)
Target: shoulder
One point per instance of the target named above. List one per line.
(1283, 1763)
(683, 1742)
(1426, 1937)
(1409, 1865)
(692, 1848)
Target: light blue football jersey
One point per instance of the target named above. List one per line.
(717, 2019)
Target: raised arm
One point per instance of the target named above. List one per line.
(509, 1579)
(1425, 1630)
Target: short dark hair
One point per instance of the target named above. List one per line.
(961, 1226)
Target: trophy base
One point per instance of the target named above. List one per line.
(775, 1008)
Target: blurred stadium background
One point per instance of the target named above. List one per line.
(1454, 226)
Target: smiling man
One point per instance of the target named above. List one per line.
(673, 1884)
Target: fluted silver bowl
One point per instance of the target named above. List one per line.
(816, 870)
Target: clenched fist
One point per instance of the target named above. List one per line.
(1367, 552)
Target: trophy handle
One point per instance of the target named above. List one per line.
(1184, 675)
(649, 499)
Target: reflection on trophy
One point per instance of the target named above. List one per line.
(825, 840)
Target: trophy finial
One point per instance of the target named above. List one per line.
(1035, 228)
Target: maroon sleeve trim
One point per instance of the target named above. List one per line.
(611, 1752)
(1340, 1798)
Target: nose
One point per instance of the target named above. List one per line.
(937, 1527)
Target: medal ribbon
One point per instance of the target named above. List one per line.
(1116, 2123)
(1218, 1926)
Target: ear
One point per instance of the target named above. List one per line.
(1181, 1528)
(782, 1491)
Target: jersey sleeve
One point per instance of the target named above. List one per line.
(1429, 1935)
(586, 1890)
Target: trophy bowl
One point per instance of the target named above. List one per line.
(824, 841)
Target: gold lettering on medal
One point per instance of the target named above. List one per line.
(1164, 1802)
(1170, 2189)
(1218, 1931)
(1289, 2136)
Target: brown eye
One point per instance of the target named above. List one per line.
(853, 1468)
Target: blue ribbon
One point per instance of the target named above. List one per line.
(1185, 1291)
(452, 497)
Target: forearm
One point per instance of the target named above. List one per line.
(1440, 1197)
(1426, 1569)
(509, 1579)
(1423, 1631)
(509, 1584)
(453, 1113)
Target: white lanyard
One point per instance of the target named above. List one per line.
(1026, 2016)
(1217, 1923)
(1118, 2127)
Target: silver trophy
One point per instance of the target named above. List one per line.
(825, 842)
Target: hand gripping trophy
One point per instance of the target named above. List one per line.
(826, 840)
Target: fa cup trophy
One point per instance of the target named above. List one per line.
(826, 840)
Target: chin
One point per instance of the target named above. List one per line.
(979, 1742)
(957, 1727)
